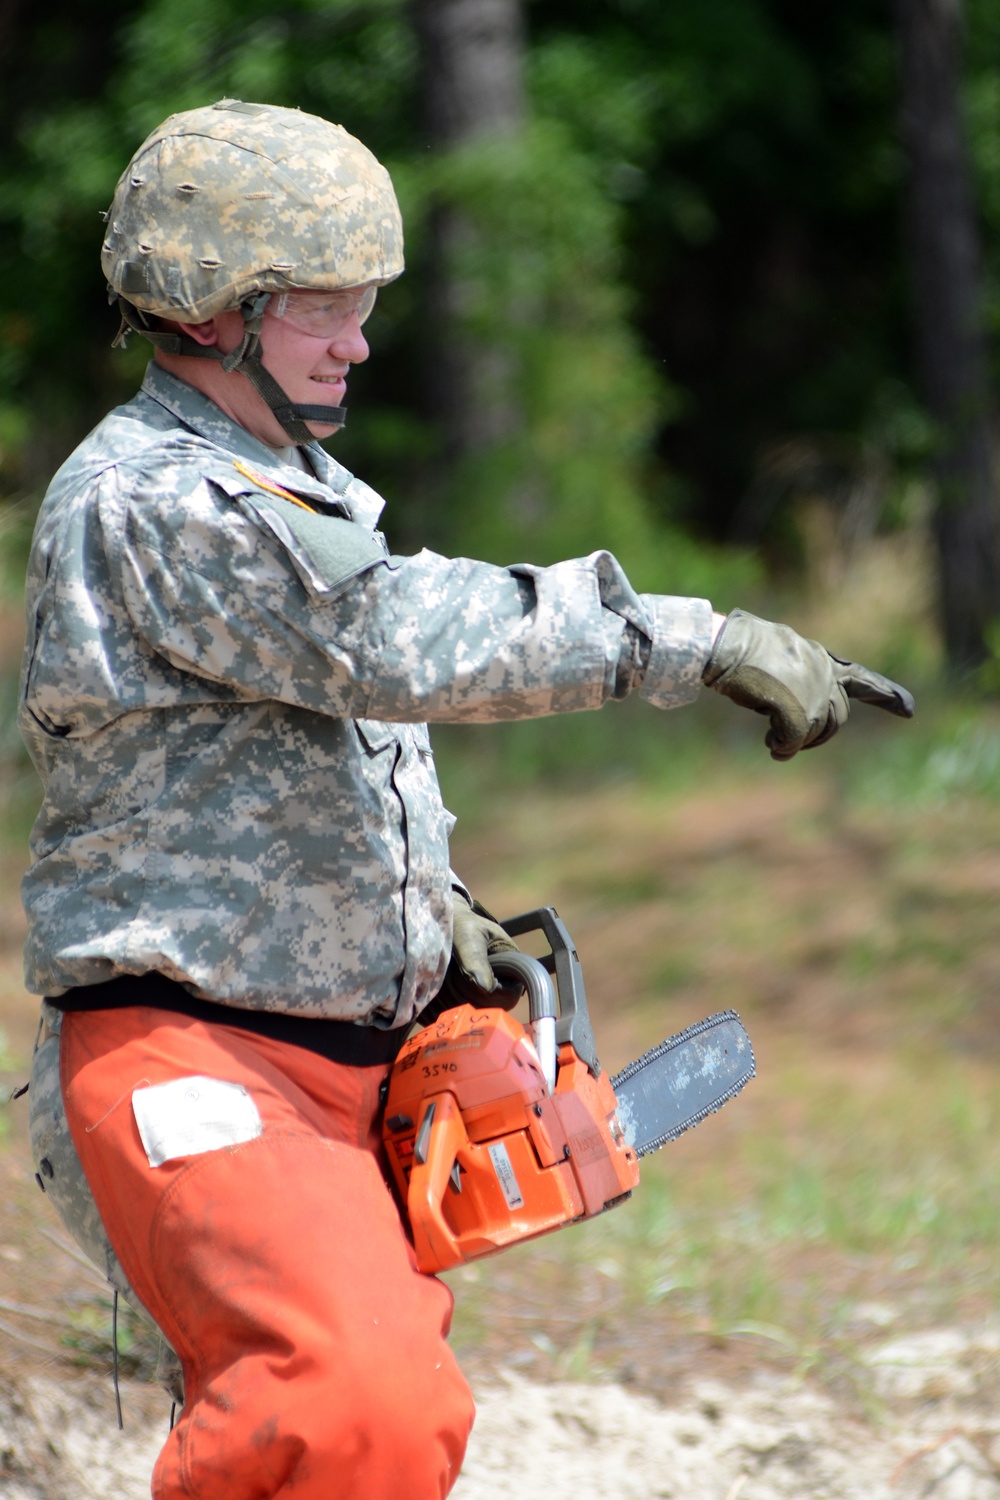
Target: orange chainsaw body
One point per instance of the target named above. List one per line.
(482, 1153)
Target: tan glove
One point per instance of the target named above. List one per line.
(803, 689)
(476, 937)
(469, 980)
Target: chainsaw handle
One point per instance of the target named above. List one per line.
(535, 978)
(542, 1005)
(573, 1023)
(440, 1133)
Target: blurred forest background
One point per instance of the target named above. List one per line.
(714, 284)
(710, 282)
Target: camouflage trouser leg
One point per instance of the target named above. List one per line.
(60, 1171)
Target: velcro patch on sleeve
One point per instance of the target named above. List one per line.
(189, 1116)
(327, 551)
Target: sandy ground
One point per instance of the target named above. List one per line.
(770, 1439)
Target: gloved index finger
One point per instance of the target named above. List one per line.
(871, 687)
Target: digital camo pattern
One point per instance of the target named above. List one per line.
(239, 786)
(60, 1169)
(58, 1164)
(222, 201)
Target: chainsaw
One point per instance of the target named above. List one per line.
(498, 1131)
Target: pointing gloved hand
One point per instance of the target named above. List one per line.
(469, 980)
(804, 690)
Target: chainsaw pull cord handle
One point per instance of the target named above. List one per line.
(542, 1005)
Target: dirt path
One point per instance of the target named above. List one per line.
(771, 1439)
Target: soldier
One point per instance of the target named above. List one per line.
(240, 895)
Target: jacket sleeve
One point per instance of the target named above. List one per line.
(272, 610)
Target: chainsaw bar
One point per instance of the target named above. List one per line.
(686, 1078)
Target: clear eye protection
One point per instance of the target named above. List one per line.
(323, 314)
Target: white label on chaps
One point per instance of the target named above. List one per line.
(189, 1116)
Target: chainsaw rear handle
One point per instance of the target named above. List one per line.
(562, 961)
(542, 1005)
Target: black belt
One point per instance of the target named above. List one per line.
(341, 1041)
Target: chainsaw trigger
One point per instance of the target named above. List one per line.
(455, 1177)
(422, 1142)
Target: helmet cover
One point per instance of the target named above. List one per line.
(232, 199)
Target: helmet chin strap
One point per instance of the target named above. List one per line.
(246, 358)
(293, 417)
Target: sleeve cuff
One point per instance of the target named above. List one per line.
(682, 643)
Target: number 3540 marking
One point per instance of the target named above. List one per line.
(433, 1070)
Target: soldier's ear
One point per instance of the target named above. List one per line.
(203, 333)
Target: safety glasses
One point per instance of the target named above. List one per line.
(323, 315)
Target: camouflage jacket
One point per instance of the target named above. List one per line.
(225, 687)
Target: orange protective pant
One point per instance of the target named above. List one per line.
(314, 1353)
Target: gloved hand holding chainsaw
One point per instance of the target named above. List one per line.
(477, 937)
(804, 690)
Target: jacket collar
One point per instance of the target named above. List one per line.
(201, 415)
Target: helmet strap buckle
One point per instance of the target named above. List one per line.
(253, 317)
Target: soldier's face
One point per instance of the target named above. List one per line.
(310, 367)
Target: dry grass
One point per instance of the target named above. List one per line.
(850, 1188)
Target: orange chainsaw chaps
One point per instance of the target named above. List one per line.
(481, 1154)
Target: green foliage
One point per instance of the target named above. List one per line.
(539, 274)
(957, 756)
(541, 279)
(544, 268)
(983, 120)
(692, 255)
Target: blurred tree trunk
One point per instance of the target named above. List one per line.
(472, 82)
(944, 253)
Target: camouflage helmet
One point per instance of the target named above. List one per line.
(234, 199)
(222, 207)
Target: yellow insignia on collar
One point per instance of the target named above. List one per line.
(269, 485)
